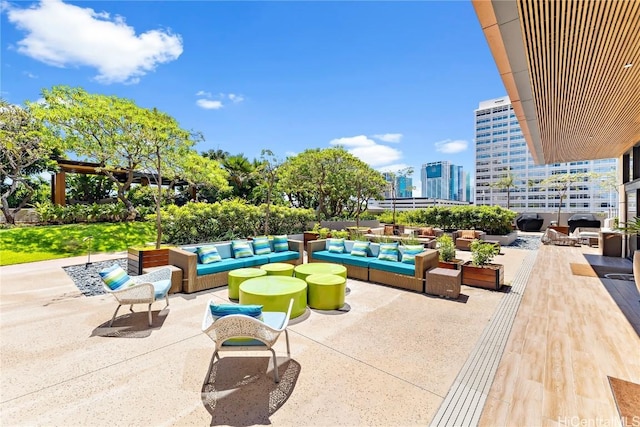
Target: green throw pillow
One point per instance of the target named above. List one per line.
(360, 249)
(336, 246)
(208, 254)
(261, 245)
(116, 278)
(410, 252)
(281, 243)
(388, 252)
(241, 249)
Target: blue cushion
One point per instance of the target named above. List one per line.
(220, 310)
(261, 245)
(116, 278)
(283, 256)
(409, 253)
(336, 246)
(275, 319)
(281, 243)
(208, 254)
(255, 260)
(392, 267)
(241, 249)
(345, 259)
(160, 288)
(360, 249)
(388, 252)
(218, 267)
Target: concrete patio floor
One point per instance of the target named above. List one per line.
(390, 360)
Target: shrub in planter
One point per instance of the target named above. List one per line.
(480, 271)
(447, 250)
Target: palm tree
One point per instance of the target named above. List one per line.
(242, 174)
(506, 183)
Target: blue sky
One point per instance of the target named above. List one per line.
(396, 83)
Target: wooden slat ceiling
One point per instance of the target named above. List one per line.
(572, 71)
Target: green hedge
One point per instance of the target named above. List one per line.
(225, 220)
(492, 219)
(74, 214)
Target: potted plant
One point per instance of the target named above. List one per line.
(480, 271)
(447, 250)
(632, 228)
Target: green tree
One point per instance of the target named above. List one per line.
(560, 184)
(202, 175)
(25, 150)
(268, 171)
(89, 188)
(242, 175)
(325, 180)
(506, 182)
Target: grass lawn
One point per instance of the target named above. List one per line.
(27, 244)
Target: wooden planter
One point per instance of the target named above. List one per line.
(490, 276)
(139, 259)
(308, 236)
(456, 264)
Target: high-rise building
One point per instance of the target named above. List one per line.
(501, 150)
(403, 186)
(442, 180)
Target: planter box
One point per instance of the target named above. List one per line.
(308, 236)
(139, 259)
(490, 276)
(456, 264)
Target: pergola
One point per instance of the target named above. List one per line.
(58, 179)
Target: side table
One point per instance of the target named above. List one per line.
(444, 282)
(176, 276)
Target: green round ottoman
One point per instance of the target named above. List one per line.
(304, 270)
(326, 291)
(236, 277)
(278, 269)
(274, 293)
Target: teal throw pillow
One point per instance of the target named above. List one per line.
(221, 310)
(241, 249)
(208, 254)
(336, 246)
(388, 252)
(410, 252)
(281, 243)
(116, 278)
(360, 249)
(261, 245)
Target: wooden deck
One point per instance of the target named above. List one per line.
(570, 333)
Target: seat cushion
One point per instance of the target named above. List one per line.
(218, 267)
(256, 260)
(467, 234)
(345, 259)
(392, 267)
(116, 278)
(160, 288)
(283, 256)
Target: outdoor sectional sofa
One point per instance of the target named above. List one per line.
(197, 276)
(370, 268)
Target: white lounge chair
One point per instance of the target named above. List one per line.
(146, 289)
(255, 334)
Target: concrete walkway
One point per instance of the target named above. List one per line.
(390, 360)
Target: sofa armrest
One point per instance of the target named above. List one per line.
(315, 246)
(425, 261)
(297, 246)
(187, 262)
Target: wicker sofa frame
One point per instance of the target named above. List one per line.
(188, 262)
(423, 263)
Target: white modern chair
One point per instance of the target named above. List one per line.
(147, 289)
(250, 334)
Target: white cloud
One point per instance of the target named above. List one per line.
(368, 150)
(388, 137)
(394, 168)
(449, 146)
(209, 104)
(203, 93)
(30, 75)
(235, 98)
(64, 35)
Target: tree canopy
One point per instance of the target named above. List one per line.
(332, 181)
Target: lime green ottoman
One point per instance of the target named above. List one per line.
(278, 269)
(326, 291)
(274, 293)
(236, 277)
(304, 270)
